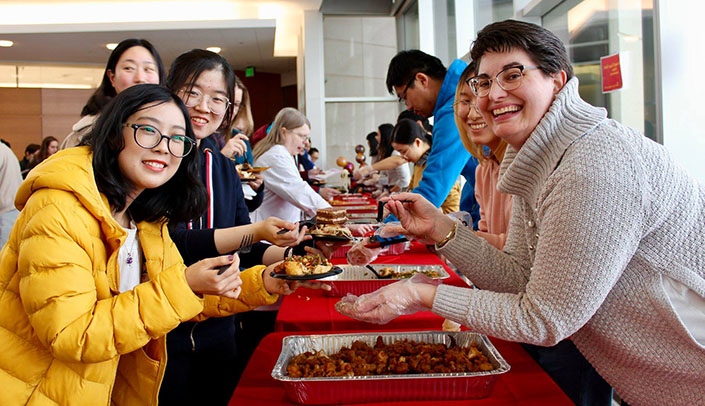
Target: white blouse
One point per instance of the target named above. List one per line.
(286, 195)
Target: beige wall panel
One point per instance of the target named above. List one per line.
(29, 115)
(22, 102)
(64, 102)
(20, 131)
(61, 108)
(57, 126)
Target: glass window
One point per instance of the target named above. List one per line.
(592, 29)
(357, 53)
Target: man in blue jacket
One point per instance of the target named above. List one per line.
(428, 89)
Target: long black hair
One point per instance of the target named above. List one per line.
(407, 131)
(372, 143)
(385, 148)
(105, 92)
(181, 198)
(187, 67)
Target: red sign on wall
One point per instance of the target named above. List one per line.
(611, 73)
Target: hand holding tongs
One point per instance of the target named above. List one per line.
(308, 223)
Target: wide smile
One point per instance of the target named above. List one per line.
(155, 165)
(505, 110)
(200, 121)
(477, 126)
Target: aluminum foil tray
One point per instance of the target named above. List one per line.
(386, 388)
(359, 280)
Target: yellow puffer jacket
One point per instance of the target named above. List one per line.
(67, 336)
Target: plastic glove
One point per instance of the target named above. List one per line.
(388, 302)
(389, 230)
(358, 254)
(362, 172)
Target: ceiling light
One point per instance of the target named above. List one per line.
(111, 45)
(214, 49)
(6, 43)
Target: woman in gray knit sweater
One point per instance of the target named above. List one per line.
(606, 244)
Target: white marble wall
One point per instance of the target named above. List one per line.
(357, 53)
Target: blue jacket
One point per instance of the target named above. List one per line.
(448, 157)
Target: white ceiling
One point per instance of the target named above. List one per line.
(244, 42)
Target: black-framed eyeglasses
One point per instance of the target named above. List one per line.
(508, 79)
(148, 137)
(402, 95)
(216, 104)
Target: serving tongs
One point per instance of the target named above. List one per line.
(308, 223)
(374, 271)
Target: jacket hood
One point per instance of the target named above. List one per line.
(69, 170)
(84, 122)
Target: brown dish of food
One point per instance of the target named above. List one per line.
(401, 357)
(405, 273)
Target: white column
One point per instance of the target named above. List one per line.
(314, 79)
(427, 36)
(682, 60)
(464, 27)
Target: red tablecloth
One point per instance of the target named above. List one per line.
(313, 310)
(524, 384)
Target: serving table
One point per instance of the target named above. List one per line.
(525, 384)
(313, 312)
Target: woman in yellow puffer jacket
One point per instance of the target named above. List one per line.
(90, 281)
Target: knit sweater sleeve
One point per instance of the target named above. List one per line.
(570, 261)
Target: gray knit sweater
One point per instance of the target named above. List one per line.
(601, 215)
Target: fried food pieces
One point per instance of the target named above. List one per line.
(401, 357)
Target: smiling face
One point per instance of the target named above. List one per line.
(473, 123)
(295, 139)
(136, 65)
(513, 115)
(210, 84)
(151, 168)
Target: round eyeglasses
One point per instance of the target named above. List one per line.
(216, 104)
(508, 79)
(148, 137)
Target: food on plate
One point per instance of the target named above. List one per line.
(401, 357)
(330, 230)
(329, 223)
(299, 265)
(405, 273)
(245, 171)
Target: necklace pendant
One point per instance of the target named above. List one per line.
(129, 259)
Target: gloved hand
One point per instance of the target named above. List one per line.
(388, 302)
(358, 254)
(362, 172)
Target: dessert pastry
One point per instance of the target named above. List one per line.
(331, 215)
